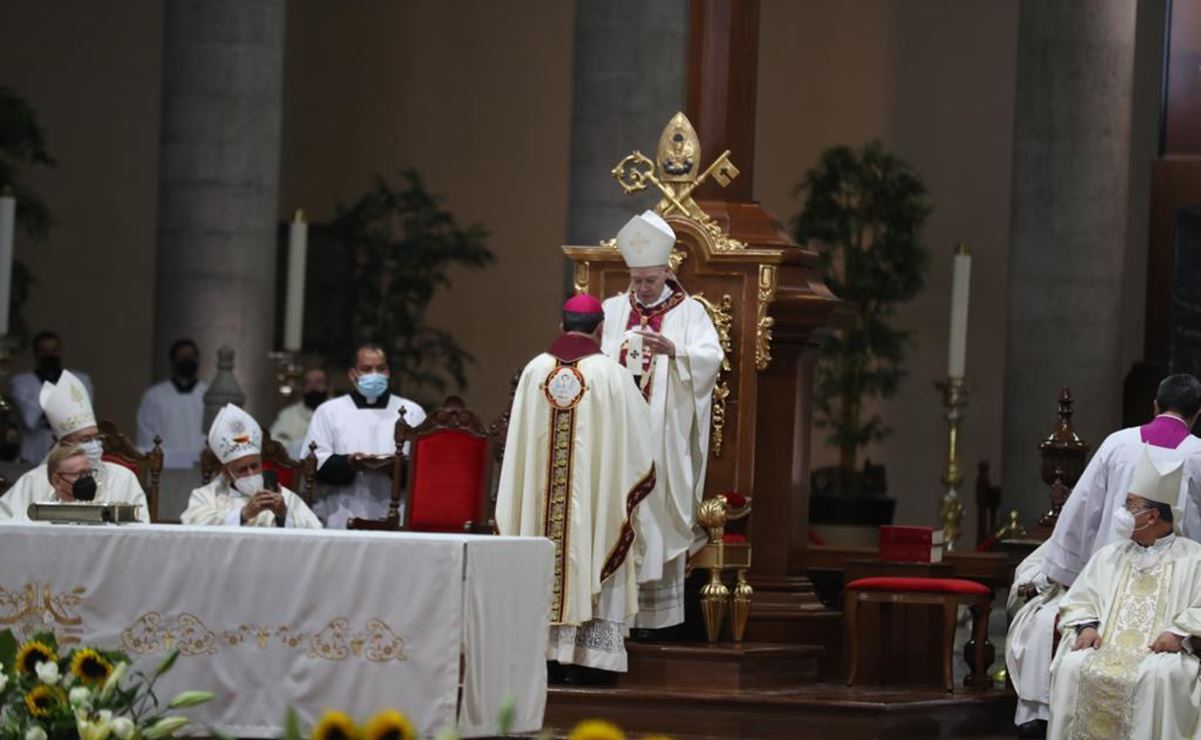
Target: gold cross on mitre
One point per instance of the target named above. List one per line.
(676, 175)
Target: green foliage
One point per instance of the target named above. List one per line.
(864, 209)
(404, 244)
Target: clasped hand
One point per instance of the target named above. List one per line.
(264, 501)
(1167, 642)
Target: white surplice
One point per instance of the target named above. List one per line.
(577, 474)
(219, 504)
(36, 436)
(291, 427)
(115, 484)
(1086, 522)
(339, 427)
(177, 418)
(681, 394)
(1122, 690)
(1028, 642)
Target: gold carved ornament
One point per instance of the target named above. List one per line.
(38, 608)
(722, 316)
(764, 323)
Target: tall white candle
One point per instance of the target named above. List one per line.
(960, 286)
(298, 244)
(8, 223)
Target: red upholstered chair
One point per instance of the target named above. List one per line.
(949, 593)
(147, 466)
(296, 475)
(445, 479)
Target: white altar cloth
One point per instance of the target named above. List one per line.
(316, 620)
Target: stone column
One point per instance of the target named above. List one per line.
(1071, 166)
(629, 79)
(219, 184)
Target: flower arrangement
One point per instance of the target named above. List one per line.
(86, 693)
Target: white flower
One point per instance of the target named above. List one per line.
(94, 729)
(162, 728)
(123, 728)
(35, 732)
(80, 696)
(47, 672)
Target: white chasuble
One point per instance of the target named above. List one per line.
(340, 427)
(1031, 633)
(219, 504)
(115, 484)
(1122, 689)
(679, 392)
(577, 465)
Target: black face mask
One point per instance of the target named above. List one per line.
(313, 399)
(187, 368)
(49, 368)
(84, 488)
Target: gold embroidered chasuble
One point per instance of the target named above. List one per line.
(577, 464)
(1122, 689)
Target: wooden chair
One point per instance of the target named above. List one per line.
(148, 466)
(275, 457)
(444, 477)
(724, 551)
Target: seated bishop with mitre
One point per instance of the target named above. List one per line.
(1125, 667)
(237, 496)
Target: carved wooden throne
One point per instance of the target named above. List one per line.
(769, 304)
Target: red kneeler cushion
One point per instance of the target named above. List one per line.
(923, 585)
(448, 470)
(733, 538)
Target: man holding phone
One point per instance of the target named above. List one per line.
(243, 494)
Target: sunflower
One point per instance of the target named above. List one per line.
(389, 725)
(335, 725)
(596, 729)
(90, 666)
(32, 653)
(42, 698)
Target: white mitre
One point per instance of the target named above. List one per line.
(66, 405)
(235, 434)
(646, 241)
(1158, 482)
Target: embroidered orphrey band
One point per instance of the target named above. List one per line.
(637, 494)
(558, 501)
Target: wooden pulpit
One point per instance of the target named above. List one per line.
(769, 304)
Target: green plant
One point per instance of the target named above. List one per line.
(865, 210)
(404, 243)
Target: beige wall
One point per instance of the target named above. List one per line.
(935, 81)
(92, 72)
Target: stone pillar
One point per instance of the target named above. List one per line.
(1071, 166)
(629, 79)
(219, 184)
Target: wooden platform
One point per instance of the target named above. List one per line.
(721, 667)
(816, 711)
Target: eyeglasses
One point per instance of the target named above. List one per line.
(72, 477)
(1135, 508)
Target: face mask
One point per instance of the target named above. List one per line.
(94, 449)
(249, 485)
(84, 488)
(372, 385)
(313, 399)
(50, 368)
(187, 368)
(1123, 524)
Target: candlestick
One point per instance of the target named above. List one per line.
(954, 400)
(8, 222)
(960, 289)
(298, 239)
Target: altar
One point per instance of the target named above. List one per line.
(445, 628)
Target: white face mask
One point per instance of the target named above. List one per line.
(94, 449)
(249, 485)
(1123, 523)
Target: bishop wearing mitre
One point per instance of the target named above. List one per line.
(68, 408)
(1125, 667)
(237, 495)
(667, 342)
(577, 466)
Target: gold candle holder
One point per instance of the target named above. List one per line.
(950, 512)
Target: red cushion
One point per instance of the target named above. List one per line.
(927, 585)
(448, 472)
(735, 499)
(127, 464)
(285, 476)
(734, 537)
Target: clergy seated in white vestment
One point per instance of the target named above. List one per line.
(1086, 521)
(1033, 605)
(1125, 666)
(356, 437)
(667, 341)
(68, 408)
(173, 410)
(238, 496)
(36, 435)
(577, 468)
(292, 424)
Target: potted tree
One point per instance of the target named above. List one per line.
(864, 209)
